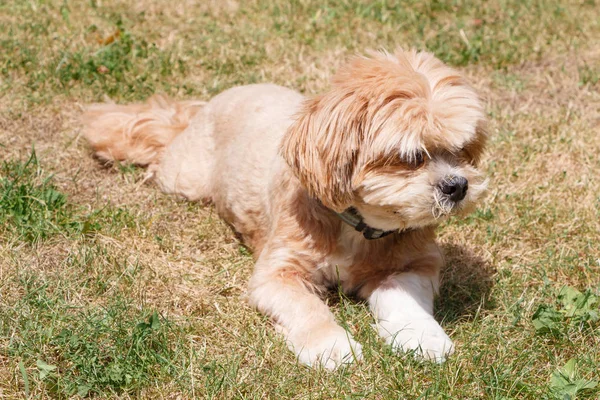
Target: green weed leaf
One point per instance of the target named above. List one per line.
(547, 320)
(44, 368)
(574, 309)
(565, 384)
(82, 390)
(154, 321)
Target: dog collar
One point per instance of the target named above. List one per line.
(352, 217)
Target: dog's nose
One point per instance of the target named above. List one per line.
(455, 188)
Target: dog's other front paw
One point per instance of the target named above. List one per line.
(423, 336)
(328, 348)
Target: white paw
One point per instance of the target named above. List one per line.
(329, 349)
(423, 336)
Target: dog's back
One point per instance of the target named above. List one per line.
(224, 151)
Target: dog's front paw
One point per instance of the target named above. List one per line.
(423, 336)
(328, 348)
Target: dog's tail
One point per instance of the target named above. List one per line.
(137, 133)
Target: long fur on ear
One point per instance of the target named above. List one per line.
(475, 149)
(322, 146)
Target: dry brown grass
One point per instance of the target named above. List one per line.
(537, 230)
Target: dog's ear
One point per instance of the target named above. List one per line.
(474, 150)
(321, 148)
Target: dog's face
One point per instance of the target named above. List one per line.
(397, 137)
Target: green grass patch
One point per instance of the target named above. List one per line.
(30, 205)
(566, 382)
(32, 208)
(459, 32)
(86, 349)
(113, 67)
(85, 49)
(576, 310)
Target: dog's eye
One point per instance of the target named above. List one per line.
(414, 160)
(417, 160)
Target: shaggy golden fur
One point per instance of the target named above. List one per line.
(397, 137)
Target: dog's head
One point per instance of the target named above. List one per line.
(398, 137)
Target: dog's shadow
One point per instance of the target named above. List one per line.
(466, 282)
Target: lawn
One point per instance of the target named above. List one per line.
(111, 289)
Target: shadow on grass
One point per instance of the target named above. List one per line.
(466, 281)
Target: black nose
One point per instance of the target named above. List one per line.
(455, 188)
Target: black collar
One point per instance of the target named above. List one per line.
(353, 218)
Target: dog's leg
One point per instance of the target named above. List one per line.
(279, 290)
(403, 307)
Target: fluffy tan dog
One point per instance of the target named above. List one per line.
(345, 188)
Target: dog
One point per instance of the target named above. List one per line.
(344, 189)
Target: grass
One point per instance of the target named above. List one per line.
(109, 288)
(30, 206)
(32, 209)
(89, 350)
